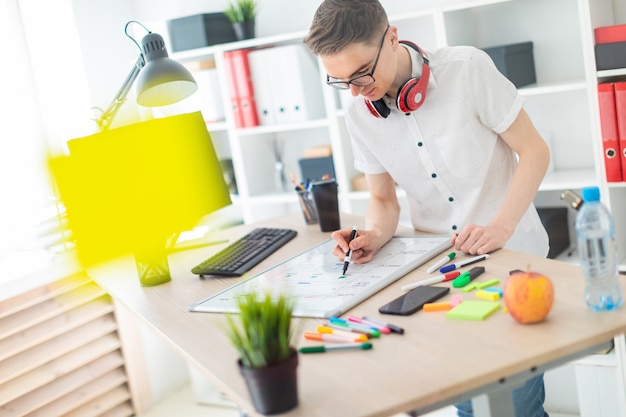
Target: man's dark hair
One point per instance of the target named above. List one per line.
(338, 23)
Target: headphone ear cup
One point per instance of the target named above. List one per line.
(410, 95)
(378, 108)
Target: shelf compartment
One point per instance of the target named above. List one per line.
(259, 130)
(569, 179)
(488, 24)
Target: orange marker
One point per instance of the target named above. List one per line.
(334, 337)
(437, 306)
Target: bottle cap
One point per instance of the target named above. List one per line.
(591, 194)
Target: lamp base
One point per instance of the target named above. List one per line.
(153, 267)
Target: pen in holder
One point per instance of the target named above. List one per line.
(305, 198)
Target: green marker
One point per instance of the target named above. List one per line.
(337, 346)
(465, 278)
(462, 280)
(441, 262)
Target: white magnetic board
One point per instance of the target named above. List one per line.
(314, 277)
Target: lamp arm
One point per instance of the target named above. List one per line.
(106, 118)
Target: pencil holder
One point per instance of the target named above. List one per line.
(305, 198)
(326, 204)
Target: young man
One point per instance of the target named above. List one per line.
(446, 127)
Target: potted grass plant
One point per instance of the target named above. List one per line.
(242, 15)
(267, 360)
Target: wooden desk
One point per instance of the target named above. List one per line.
(436, 362)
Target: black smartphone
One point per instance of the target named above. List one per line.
(413, 300)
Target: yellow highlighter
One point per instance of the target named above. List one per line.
(329, 330)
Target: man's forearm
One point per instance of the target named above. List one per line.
(522, 191)
(382, 217)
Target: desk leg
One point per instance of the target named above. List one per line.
(497, 404)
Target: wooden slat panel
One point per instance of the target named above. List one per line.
(40, 354)
(43, 396)
(122, 410)
(54, 327)
(27, 299)
(76, 401)
(60, 353)
(49, 308)
(104, 404)
(57, 368)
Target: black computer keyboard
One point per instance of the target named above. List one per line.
(243, 254)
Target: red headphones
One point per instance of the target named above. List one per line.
(411, 94)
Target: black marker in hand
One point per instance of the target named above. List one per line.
(346, 260)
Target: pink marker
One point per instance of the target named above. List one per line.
(455, 300)
(379, 327)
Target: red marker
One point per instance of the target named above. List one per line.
(434, 280)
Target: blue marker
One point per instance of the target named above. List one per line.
(461, 264)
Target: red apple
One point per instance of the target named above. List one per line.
(528, 296)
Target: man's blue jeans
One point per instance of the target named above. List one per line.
(527, 400)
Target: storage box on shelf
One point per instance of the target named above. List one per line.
(197, 31)
(515, 61)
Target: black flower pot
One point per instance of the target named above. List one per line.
(244, 30)
(274, 389)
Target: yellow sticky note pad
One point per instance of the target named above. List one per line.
(473, 310)
(487, 295)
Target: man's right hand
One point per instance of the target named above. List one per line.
(363, 246)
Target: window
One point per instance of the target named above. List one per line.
(41, 92)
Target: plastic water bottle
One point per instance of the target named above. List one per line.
(598, 257)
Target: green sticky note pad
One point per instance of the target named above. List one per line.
(473, 310)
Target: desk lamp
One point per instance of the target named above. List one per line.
(163, 81)
(130, 190)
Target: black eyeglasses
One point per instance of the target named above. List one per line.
(361, 80)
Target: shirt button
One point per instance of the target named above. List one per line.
(433, 175)
(420, 143)
(451, 199)
(454, 227)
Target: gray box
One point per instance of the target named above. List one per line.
(313, 169)
(610, 55)
(515, 61)
(200, 30)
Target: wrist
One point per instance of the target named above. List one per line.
(504, 229)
